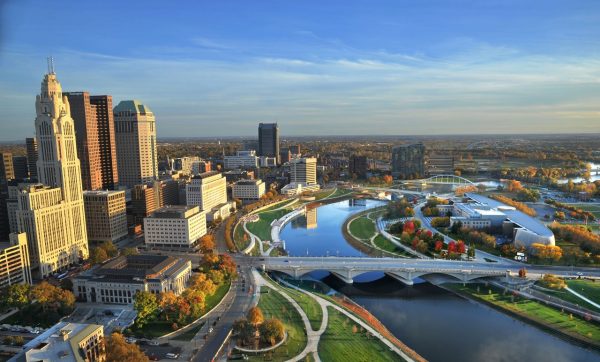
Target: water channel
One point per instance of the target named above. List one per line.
(437, 324)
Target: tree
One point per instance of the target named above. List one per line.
(460, 247)
(438, 245)
(118, 350)
(471, 251)
(255, 316)
(211, 260)
(452, 247)
(217, 276)
(244, 331)
(167, 302)
(201, 283)
(129, 251)
(271, 331)
(197, 301)
(207, 243)
(146, 306)
(98, 255)
(17, 295)
(53, 298)
(110, 248)
(388, 179)
(227, 265)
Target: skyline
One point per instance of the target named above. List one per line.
(479, 69)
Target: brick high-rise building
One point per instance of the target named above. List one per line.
(21, 168)
(408, 161)
(135, 135)
(358, 165)
(106, 139)
(32, 157)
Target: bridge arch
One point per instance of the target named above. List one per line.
(448, 180)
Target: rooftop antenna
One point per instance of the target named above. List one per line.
(50, 65)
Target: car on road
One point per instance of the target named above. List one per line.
(172, 355)
(579, 274)
(153, 343)
(210, 330)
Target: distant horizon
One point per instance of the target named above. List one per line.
(339, 67)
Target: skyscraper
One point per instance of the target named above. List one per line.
(408, 161)
(135, 135)
(88, 148)
(303, 170)
(53, 216)
(32, 156)
(358, 165)
(7, 171)
(21, 168)
(268, 140)
(106, 139)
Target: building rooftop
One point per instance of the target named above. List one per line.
(132, 106)
(514, 215)
(102, 192)
(206, 175)
(249, 182)
(175, 212)
(58, 343)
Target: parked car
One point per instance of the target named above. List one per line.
(172, 355)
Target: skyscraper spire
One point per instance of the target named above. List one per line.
(50, 61)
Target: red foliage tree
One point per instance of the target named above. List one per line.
(409, 227)
(460, 247)
(439, 245)
(452, 247)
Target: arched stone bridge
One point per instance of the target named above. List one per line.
(404, 270)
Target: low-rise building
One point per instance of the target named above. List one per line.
(117, 281)
(105, 215)
(246, 190)
(209, 191)
(66, 342)
(175, 227)
(15, 267)
(242, 159)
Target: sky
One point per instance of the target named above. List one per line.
(218, 68)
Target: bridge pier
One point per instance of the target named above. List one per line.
(346, 279)
(407, 280)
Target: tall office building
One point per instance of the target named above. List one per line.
(53, 216)
(106, 215)
(209, 191)
(94, 127)
(7, 171)
(408, 161)
(32, 156)
(21, 168)
(135, 135)
(106, 138)
(358, 165)
(268, 140)
(88, 148)
(14, 261)
(303, 171)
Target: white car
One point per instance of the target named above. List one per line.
(172, 355)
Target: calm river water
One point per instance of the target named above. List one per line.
(437, 324)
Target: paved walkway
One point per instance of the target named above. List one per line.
(313, 337)
(583, 297)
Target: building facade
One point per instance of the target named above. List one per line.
(247, 190)
(103, 110)
(117, 281)
(32, 156)
(15, 267)
(66, 342)
(21, 168)
(303, 170)
(268, 140)
(135, 135)
(408, 161)
(207, 190)
(106, 215)
(358, 165)
(53, 215)
(175, 227)
(242, 159)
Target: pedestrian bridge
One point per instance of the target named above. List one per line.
(404, 270)
(447, 180)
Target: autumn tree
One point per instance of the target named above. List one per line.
(129, 251)
(16, 296)
(118, 350)
(98, 255)
(146, 306)
(271, 331)
(255, 316)
(167, 302)
(207, 243)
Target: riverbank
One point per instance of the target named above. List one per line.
(564, 325)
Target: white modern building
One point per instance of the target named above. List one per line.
(303, 171)
(175, 227)
(247, 190)
(266, 161)
(208, 190)
(242, 159)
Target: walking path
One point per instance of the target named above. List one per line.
(313, 337)
(583, 297)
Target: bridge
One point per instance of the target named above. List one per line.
(406, 270)
(446, 180)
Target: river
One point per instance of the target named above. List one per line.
(437, 324)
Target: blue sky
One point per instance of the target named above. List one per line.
(217, 68)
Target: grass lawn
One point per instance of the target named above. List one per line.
(262, 227)
(240, 238)
(593, 208)
(190, 333)
(569, 297)
(310, 306)
(212, 300)
(362, 228)
(341, 343)
(587, 288)
(273, 304)
(534, 310)
(320, 195)
(387, 245)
